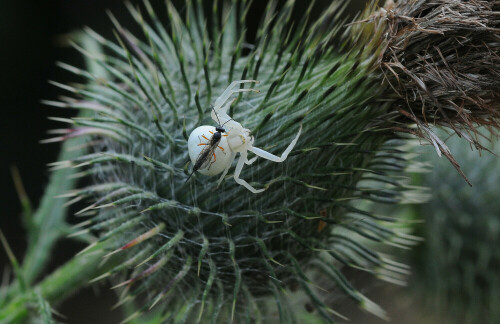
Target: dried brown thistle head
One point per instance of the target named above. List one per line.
(442, 60)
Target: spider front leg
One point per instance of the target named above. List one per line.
(228, 92)
(239, 167)
(272, 157)
(252, 160)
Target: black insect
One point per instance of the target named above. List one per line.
(204, 159)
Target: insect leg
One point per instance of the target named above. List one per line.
(212, 162)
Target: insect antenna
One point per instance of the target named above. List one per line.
(225, 122)
(218, 120)
(216, 114)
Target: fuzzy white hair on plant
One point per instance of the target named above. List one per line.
(237, 140)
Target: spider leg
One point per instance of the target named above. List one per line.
(252, 160)
(272, 157)
(229, 91)
(233, 156)
(239, 167)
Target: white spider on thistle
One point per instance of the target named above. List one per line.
(212, 153)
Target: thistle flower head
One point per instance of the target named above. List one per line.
(196, 251)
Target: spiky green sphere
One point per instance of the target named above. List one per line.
(196, 251)
(457, 271)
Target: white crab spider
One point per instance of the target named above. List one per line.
(238, 140)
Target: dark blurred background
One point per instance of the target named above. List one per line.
(31, 34)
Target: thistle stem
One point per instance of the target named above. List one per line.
(72, 276)
(48, 222)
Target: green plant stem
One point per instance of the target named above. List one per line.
(72, 276)
(48, 222)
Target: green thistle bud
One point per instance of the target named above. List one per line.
(457, 268)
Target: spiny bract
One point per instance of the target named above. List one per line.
(196, 251)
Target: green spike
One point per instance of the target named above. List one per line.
(206, 71)
(216, 36)
(208, 286)
(163, 205)
(119, 229)
(320, 306)
(160, 166)
(277, 298)
(105, 157)
(175, 22)
(170, 101)
(112, 221)
(124, 266)
(183, 316)
(253, 314)
(203, 251)
(43, 308)
(184, 131)
(173, 282)
(15, 265)
(157, 112)
(237, 273)
(198, 107)
(165, 247)
(132, 126)
(192, 41)
(219, 304)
